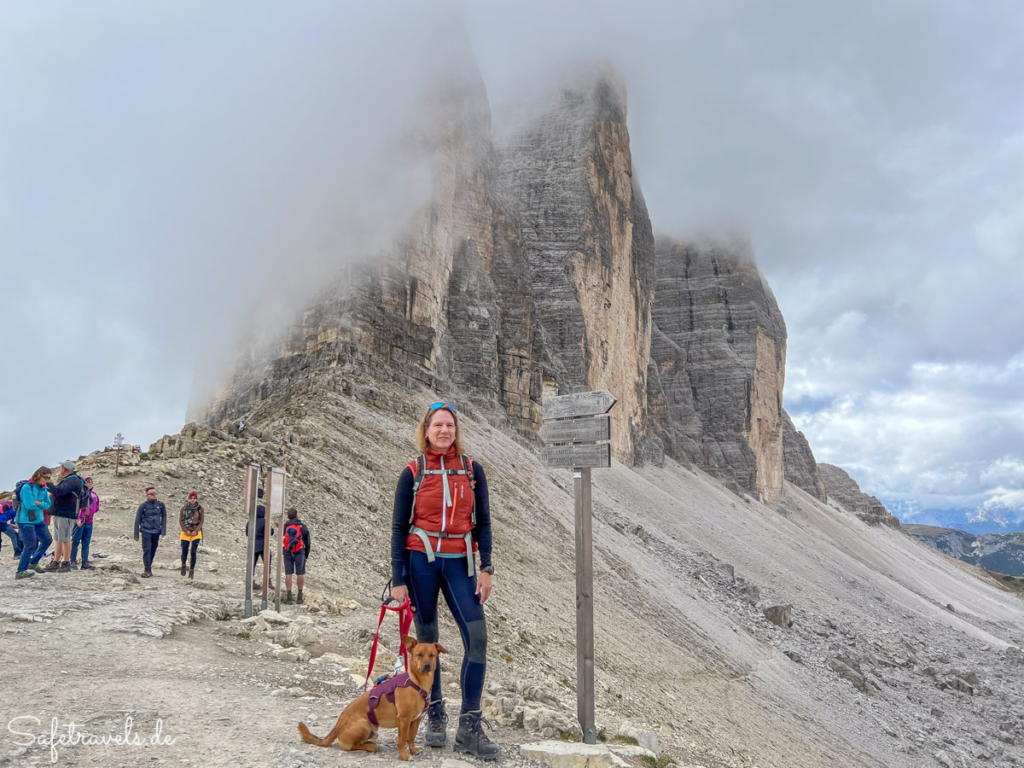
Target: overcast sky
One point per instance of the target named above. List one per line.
(162, 164)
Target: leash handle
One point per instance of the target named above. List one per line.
(404, 612)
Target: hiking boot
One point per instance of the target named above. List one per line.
(146, 574)
(74, 565)
(26, 574)
(471, 739)
(182, 569)
(87, 566)
(437, 725)
(191, 573)
(37, 568)
(65, 567)
(53, 565)
(300, 599)
(288, 598)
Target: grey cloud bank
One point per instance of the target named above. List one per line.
(177, 161)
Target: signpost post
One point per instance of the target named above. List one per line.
(275, 511)
(118, 442)
(252, 482)
(573, 424)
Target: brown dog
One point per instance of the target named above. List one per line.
(354, 730)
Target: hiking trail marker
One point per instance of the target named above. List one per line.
(572, 426)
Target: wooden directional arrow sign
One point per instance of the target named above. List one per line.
(579, 404)
(577, 456)
(589, 430)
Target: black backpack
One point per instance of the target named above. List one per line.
(17, 494)
(84, 496)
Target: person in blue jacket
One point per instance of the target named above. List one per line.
(35, 535)
(7, 523)
(151, 523)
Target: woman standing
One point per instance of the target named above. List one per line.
(83, 530)
(191, 521)
(441, 519)
(35, 536)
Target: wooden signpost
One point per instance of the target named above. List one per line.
(252, 482)
(275, 512)
(570, 440)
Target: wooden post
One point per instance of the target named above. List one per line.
(276, 493)
(584, 606)
(577, 421)
(252, 480)
(118, 442)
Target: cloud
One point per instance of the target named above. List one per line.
(185, 174)
(174, 161)
(950, 439)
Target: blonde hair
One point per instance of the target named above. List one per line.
(420, 436)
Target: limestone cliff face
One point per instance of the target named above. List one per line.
(801, 469)
(590, 249)
(450, 308)
(717, 364)
(844, 489)
(533, 271)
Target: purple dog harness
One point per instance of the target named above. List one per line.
(387, 689)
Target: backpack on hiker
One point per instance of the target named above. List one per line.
(293, 541)
(17, 494)
(84, 497)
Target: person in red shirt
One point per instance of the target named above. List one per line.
(441, 522)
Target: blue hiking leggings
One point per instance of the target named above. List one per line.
(448, 575)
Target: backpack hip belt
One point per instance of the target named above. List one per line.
(425, 538)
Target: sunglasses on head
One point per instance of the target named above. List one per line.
(451, 407)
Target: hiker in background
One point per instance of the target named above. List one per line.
(240, 429)
(8, 526)
(151, 523)
(83, 531)
(296, 545)
(69, 496)
(35, 536)
(261, 512)
(190, 519)
(441, 518)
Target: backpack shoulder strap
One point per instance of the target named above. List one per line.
(417, 481)
(467, 464)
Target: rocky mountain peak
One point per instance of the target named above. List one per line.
(844, 489)
(718, 359)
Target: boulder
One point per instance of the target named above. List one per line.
(562, 754)
(646, 739)
(780, 615)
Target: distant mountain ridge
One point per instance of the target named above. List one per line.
(1000, 552)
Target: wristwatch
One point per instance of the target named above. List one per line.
(487, 569)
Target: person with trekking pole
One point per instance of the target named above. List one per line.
(441, 521)
(83, 530)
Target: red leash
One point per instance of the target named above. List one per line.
(404, 612)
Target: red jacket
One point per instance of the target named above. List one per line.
(431, 512)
